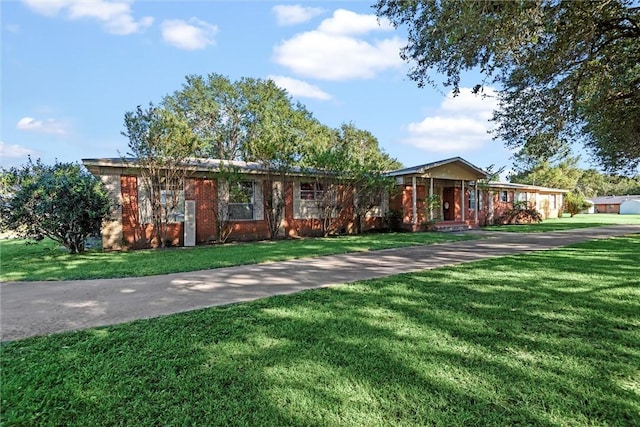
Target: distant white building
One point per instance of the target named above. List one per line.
(611, 204)
(630, 207)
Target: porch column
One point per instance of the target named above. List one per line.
(430, 198)
(414, 201)
(462, 199)
(475, 207)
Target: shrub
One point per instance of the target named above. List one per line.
(574, 203)
(63, 202)
(520, 216)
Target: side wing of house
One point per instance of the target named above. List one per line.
(503, 196)
(207, 207)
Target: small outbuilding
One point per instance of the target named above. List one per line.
(630, 207)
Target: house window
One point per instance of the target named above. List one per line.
(552, 201)
(472, 199)
(241, 200)
(504, 196)
(172, 202)
(311, 191)
(169, 195)
(521, 200)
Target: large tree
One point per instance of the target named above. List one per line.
(62, 201)
(161, 144)
(280, 134)
(216, 110)
(363, 164)
(565, 70)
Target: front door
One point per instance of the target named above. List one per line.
(449, 203)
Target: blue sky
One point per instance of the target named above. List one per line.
(71, 69)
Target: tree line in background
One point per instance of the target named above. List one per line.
(567, 175)
(251, 120)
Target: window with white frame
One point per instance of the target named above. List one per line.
(504, 196)
(242, 200)
(311, 191)
(171, 198)
(472, 199)
(379, 204)
(172, 202)
(552, 201)
(521, 200)
(311, 198)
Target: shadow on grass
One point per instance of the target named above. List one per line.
(45, 261)
(545, 339)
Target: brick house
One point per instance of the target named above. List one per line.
(464, 197)
(130, 224)
(465, 200)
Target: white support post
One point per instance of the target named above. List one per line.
(475, 191)
(414, 200)
(431, 198)
(463, 207)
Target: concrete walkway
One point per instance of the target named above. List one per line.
(39, 308)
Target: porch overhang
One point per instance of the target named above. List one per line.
(455, 169)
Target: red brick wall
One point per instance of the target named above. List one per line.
(407, 205)
(134, 234)
(205, 193)
(500, 207)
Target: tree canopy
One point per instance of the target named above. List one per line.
(566, 71)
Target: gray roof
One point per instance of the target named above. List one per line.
(613, 200)
(421, 169)
(199, 165)
(524, 187)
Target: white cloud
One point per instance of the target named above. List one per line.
(461, 124)
(192, 35)
(346, 22)
(14, 151)
(115, 16)
(294, 14)
(50, 126)
(333, 52)
(300, 88)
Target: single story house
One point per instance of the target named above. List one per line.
(446, 195)
(611, 204)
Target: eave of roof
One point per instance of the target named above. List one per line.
(613, 200)
(422, 169)
(512, 185)
(200, 165)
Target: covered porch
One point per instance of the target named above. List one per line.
(440, 195)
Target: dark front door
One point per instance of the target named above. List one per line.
(449, 203)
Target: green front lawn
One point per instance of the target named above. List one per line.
(45, 260)
(544, 339)
(568, 223)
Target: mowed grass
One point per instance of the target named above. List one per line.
(21, 261)
(568, 223)
(544, 339)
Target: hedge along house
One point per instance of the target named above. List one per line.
(206, 200)
(453, 194)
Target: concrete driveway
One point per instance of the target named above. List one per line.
(39, 308)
